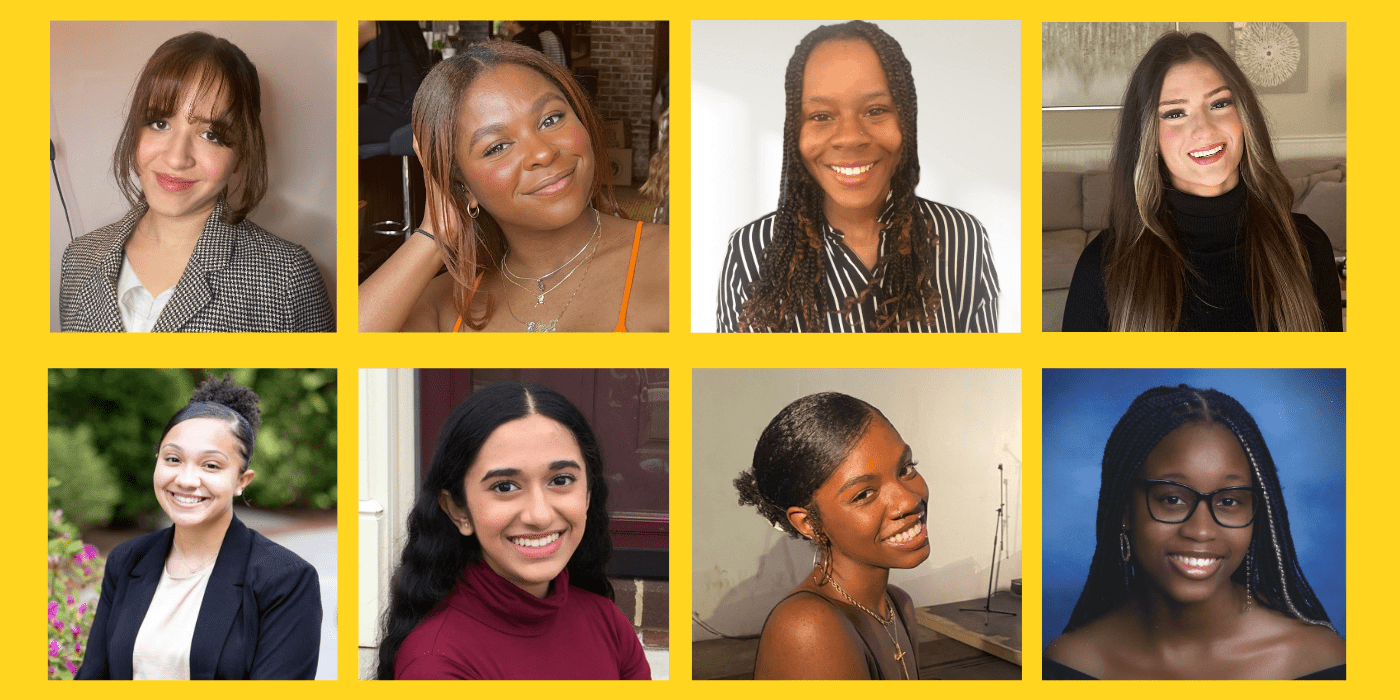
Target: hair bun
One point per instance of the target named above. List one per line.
(226, 392)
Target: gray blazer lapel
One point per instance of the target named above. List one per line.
(194, 291)
(99, 291)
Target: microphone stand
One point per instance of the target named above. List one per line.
(997, 542)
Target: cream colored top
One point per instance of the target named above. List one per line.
(162, 650)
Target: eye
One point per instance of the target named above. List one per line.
(213, 465)
(160, 125)
(908, 471)
(879, 111)
(1222, 103)
(1174, 114)
(504, 487)
(170, 459)
(819, 117)
(494, 149)
(563, 480)
(212, 137)
(551, 120)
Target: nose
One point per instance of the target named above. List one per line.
(537, 511)
(907, 501)
(539, 151)
(179, 151)
(1200, 527)
(188, 477)
(850, 133)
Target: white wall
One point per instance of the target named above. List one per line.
(968, 76)
(94, 66)
(961, 423)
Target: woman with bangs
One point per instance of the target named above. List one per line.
(851, 247)
(192, 163)
(1201, 237)
(519, 209)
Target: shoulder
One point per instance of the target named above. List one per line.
(1299, 648)
(125, 556)
(253, 240)
(808, 637)
(93, 244)
(753, 236)
(1087, 648)
(600, 610)
(1315, 240)
(950, 220)
(432, 650)
(1089, 268)
(270, 564)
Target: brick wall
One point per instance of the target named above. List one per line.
(647, 603)
(622, 52)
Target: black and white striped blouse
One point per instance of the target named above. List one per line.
(964, 275)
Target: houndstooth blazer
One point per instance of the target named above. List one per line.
(240, 279)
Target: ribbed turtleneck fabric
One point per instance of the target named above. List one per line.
(491, 629)
(1212, 233)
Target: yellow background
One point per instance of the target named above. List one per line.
(29, 348)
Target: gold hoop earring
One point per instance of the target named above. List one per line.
(821, 560)
(473, 210)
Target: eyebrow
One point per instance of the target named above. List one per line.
(206, 452)
(496, 127)
(1164, 103)
(828, 100)
(1178, 476)
(904, 458)
(556, 465)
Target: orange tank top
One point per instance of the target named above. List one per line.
(626, 289)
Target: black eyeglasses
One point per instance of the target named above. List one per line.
(1170, 502)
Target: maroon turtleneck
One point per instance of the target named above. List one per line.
(491, 629)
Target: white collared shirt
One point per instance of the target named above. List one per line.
(139, 310)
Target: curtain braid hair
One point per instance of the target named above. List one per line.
(1276, 578)
(791, 280)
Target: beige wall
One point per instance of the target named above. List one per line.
(960, 423)
(94, 70)
(1319, 113)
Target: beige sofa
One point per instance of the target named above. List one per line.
(1074, 208)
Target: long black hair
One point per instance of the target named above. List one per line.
(436, 551)
(791, 282)
(1275, 578)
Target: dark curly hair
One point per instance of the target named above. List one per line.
(790, 284)
(1275, 578)
(797, 452)
(228, 401)
(436, 551)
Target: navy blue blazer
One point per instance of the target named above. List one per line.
(260, 618)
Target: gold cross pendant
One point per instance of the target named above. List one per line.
(539, 300)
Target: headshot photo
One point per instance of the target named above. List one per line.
(1194, 176)
(169, 140)
(843, 202)
(192, 524)
(514, 524)
(857, 524)
(542, 176)
(1169, 552)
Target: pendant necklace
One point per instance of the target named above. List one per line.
(884, 623)
(539, 281)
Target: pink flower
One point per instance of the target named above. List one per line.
(87, 571)
(71, 601)
(72, 669)
(88, 554)
(53, 610)
(54, 648)
(82, 609)
(77, 647)
(58, 625)
(75, 629)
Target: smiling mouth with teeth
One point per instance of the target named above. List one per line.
(186, 500)
(1209, 153)
(535, 541)
(850, 172)
(907, 535)
(1195, 562)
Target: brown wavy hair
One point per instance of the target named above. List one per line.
(480, 247)
(211, 67)
(1146, 273)
(790, 284)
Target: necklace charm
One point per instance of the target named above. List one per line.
(546, 327)
(540, 282)
(539, 299)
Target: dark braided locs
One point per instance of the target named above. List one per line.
(790, 284)
(797, 452)
(1275, 578)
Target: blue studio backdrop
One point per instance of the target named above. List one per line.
(1301, 412)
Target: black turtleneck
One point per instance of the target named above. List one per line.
(1212, 233)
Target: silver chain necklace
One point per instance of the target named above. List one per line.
(884, 623)
(539, 281)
